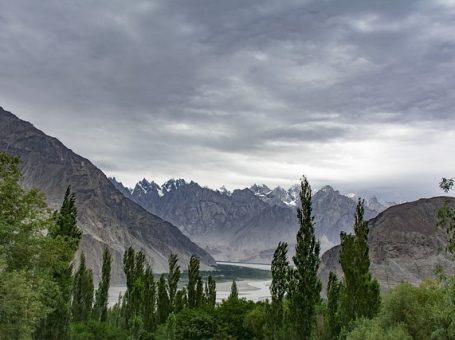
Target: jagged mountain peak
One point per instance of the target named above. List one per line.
(173, 184)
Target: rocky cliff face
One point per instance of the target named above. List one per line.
(247, 224)
(106, 216)
(405, 244)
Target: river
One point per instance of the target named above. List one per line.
(253, 281)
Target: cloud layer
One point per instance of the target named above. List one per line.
(357, 94)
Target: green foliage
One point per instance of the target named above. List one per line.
(82, 293)
(163, 301)
(446, 215)
(230, 316)
(333, 295)
(95, 330)
(365, 329)
(210, 292)
(234, 295)
(256, 321)
(101, 296)
(181, 300)
(196, 323)
(35, 274)
(304, 285)
(149, 300)
(360, 295)
(173, 279)
(194, 286)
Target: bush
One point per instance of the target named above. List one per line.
(95, 330)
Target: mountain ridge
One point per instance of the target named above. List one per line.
(105, 215)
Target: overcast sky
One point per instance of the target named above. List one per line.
(356, 94)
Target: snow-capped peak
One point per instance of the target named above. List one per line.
(172, 184)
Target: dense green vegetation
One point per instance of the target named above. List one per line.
(43, 297)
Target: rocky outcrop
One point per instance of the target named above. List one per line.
(106, 216)
(405, 244)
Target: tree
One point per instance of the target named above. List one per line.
(305, 287)
(173, 279)
(210, 291)
(446, 215)
(181, 300)
(163, 301)
(101, 296)
(194, 277)
(360, 295)
(234, 295)
(82, 292)
(65, 231)
(279, 286)
(149, 300)
(333, 294)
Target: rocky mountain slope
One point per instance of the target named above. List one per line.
(405, 244)
(246, 224)
(106, 216)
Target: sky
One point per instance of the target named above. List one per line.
(356, 94)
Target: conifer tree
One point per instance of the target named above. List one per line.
(163, 301)
(360, 295)
(82, 292)
(101, 296)
(234, 295)
(194, 277)
(333, 294)
(305, 287)
(149, 300)
(173, 279)
(210, 291)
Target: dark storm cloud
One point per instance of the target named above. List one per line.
(234, 92)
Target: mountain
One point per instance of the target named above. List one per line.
(405, 244)
(246, 224)
(106, 217)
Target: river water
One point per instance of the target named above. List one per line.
(254, 285)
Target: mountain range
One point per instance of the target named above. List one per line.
(106, 217)
(245, 225)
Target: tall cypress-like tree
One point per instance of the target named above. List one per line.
(56, 324)
(101, 296)
(163, 301)
(149, 300)
(194, 277)
(333, 295)
(82, 292)
(279, 285)
(210, 291)
(305, 286)
(234, 295)
(173, 279)
(360, 295)
(181, 300)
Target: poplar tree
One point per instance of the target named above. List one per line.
(333, 295)
(56, 324)
(149, 300)
(305, 287)
(181, 300)
(102, 293)
(360, 296)
(210, 291)
(194, 277)
(82, 292)
(173, 279)
(279, 285)
(163, 301)
(234, 295)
